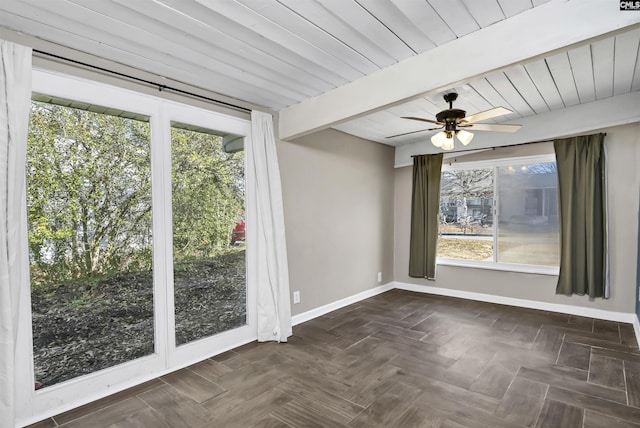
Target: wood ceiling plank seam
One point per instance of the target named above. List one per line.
(289, 48)
(514, 7)
(522, 83)
(501, 82)
(427, 20)
(493, 97)
(282, 36)
(426, 105)
(562, 75)
(188, 42)
(418, 130)
(479, 104)
(255, 95)
(351, 52)
(603, 66)
(296, 24)
(359, 18)
(405, 109)
(581, 61)
(625, 63)
(398, 23)
(139, 41)
(373, 124)
(337, 28)
(214, 39)
(413, 139)
(456, 16)
(388, 121)
(541, 77)
(484, 12)
(536, 88)
(414, 108)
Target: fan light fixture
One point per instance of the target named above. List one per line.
(445, 139)
(451, 121)
(465, 137)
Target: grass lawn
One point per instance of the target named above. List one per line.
(534, 246)
(467, 249)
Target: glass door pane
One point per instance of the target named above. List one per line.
(528, 231)
(208, 189)
(90, 243)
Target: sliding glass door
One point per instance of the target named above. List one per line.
(137, 231)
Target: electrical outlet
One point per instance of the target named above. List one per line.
(379, 276)
(296, 297)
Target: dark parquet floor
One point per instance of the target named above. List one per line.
(401, 359)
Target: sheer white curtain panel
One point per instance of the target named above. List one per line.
(270, 261)
(15, 98)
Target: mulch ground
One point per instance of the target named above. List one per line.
(79, 328)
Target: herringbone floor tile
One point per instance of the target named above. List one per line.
(401, 359)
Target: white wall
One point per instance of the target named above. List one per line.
(623, 154)
(338, 204)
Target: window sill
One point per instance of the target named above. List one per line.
(505, 267)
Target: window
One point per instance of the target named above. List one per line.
(503, 215)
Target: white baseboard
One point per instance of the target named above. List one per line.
(636, 327)
(631, 318)
(531, 304)
(313, 313)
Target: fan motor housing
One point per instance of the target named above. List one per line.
(450, 115)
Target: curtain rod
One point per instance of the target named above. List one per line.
(160, 87)
(498, 147)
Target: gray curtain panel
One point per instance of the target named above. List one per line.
(583, 216)
(425, 205)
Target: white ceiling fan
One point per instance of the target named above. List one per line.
(454, 122)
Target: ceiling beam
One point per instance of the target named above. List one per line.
(552, 27)
(575, 120)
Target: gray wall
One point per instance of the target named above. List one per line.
(338, 205)
(623, 156)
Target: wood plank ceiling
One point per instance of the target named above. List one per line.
(277, 53)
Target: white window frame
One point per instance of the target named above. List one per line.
(495, 265)
(34, 405)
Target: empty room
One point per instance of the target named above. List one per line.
(319, 213)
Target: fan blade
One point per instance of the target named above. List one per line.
(413, 132)
(423, 120)
(493, 127)
(494, 112)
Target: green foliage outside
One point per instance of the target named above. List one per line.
(89, 194)
(208, 194)
(89, 199)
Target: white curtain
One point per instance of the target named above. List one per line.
(270, 253)
(15, 96)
